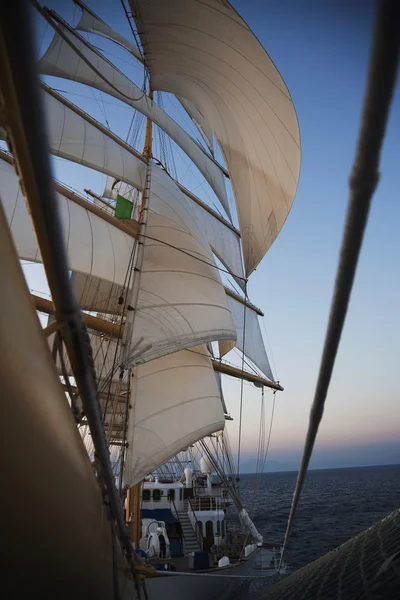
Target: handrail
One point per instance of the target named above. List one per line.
(177, 515)
(199, 534)
(206, 503)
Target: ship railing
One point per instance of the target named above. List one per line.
(215, 493)
(200, 503)
(269, 557)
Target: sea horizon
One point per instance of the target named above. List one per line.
(287, 471)
(336, 504)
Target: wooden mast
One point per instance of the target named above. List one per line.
(133, 496)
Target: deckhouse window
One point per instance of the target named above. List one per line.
(156, 495)
(171, 495)
(146, 495)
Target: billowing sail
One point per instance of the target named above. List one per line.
(91, 23)
(42, 452)
(176, 402)
(189, 50)
(253, 346)
(181, 300)
(97, 295)
(72, 136)
(200, 123)
(225, 243)
(94, 245)
(63, 59)
(222, 237)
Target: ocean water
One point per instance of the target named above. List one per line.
(336, 504)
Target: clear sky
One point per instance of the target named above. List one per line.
(321, 49)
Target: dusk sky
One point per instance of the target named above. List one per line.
(321, 49)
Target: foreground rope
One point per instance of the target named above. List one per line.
(363, 181)
(367, 567)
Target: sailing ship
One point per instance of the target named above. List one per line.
(161, 275)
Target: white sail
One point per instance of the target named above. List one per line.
(62, 60)
(253, 346)
(94, 246)
(200, 123)
(205, 52)
(91, 23)
(181, 301)
(72, 136)
(175, 402)
(114, 187)
(97, 295)
(224, 242)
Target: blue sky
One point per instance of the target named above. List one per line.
(322, 51)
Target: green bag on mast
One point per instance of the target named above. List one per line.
(123, 208)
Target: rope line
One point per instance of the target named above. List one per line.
(49, 14)
(241, 384)
(193, 256)
(363, 181)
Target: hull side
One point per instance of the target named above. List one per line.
(205, 585)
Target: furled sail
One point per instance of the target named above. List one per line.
(91, 23)
(94, 246)
(64, 59)
(189, 51)
(176, 402)
(181, 300)
(253, 346)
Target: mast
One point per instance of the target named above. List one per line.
(134, 493)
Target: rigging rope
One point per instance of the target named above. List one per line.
(363, 181)
(241, 382)
(51, 14)
(232, 489)
(149, 237)
(135, 33)
(165, 142)
(264, 461)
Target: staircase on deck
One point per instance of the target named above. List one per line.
(190, 541)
